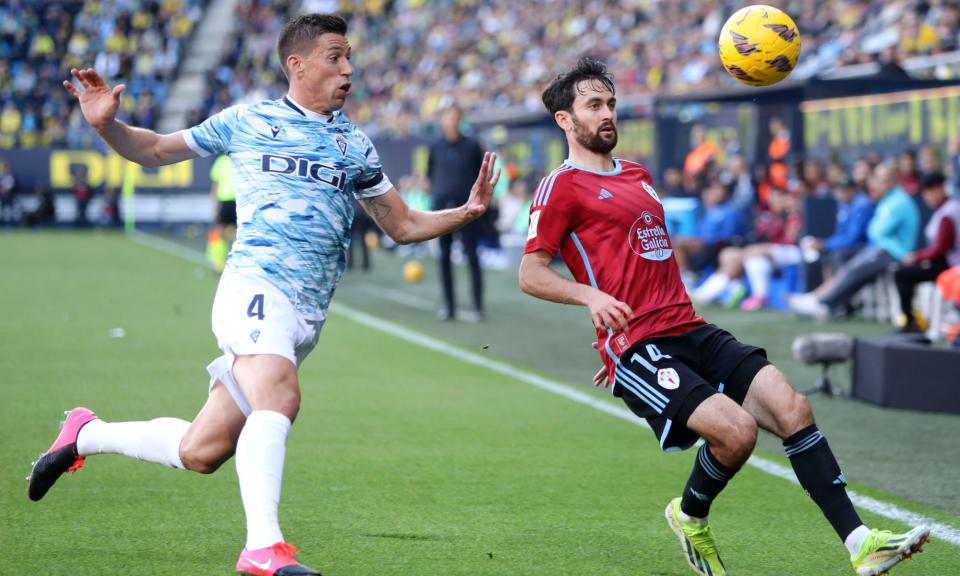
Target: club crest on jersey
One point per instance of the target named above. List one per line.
(650, 191)
(668, 378)
(648, 238)
(342, 144)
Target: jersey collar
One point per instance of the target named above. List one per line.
(289, 101)
(617, 168)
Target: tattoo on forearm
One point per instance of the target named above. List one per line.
(377, 209)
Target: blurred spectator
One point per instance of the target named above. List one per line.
(814, 178)
(942, 251)
(892, 234)
(854, 211)
(775, 236)
(82, 194)
(514, 209)
(362, 226)
(672, 186)
(948, 283)
(110, 213)
(703, 154)
(416, 192)
(452, 156)
(719, 226)
(223, 194)
(929, 160)
(45, 211)
(8, 195)
(738, 178)
(760, 261)
(909, 176)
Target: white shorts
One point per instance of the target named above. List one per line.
(784, 255)
(251, 316)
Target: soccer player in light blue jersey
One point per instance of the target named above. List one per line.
(297, 162)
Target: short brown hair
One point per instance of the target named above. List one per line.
(303, 30)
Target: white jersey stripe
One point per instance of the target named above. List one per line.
(548, 188)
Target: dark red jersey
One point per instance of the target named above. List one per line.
(609, 228)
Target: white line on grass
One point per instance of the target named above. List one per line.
(891, 511)
(943, 531)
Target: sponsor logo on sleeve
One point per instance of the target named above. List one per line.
(650, 191)
(534, 221)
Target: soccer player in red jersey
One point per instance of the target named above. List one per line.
(687, 378)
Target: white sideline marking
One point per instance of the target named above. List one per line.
(170, 247)
(942, 531)
(399, 297)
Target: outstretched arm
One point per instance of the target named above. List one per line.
(538, 279)
(99, 103)
(405, 225)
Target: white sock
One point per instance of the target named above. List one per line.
(155, 441)
(758, 269)
(260, 452)
(712, 287)
(855, 539)
(692, 519)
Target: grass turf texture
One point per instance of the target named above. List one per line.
(403, 461)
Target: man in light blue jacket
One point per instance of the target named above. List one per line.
(891, 235)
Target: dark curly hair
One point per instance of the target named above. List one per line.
(560, 95)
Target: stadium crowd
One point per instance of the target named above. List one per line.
(753, 234)
(413, 56)
(489, 55)
(136, 42)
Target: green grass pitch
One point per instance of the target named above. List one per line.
(402, 461)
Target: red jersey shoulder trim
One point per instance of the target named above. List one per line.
(542, 195)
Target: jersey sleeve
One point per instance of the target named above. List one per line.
(214, 134)
(372, 181)
(550, 219)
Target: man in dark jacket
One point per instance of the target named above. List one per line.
(452, 156)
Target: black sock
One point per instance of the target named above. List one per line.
(820, 475)
(707, 479)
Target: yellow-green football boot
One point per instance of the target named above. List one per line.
(882, 550)
(699, 547)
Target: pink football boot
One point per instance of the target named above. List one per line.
(61, 456)
(277, 560)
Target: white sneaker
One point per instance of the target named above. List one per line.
(808, 305)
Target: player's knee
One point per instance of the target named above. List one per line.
(734, 444)
(744, 437)
(199, 460)
(286, 400)
(797, 417)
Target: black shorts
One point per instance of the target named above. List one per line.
(663, 380)
(227, 213)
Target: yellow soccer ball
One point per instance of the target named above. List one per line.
(759, 45)
(413, 271)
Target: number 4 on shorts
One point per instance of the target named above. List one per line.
(256, 307)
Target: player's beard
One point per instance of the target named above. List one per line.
(595, 141)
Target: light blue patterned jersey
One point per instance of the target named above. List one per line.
(294, 172)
